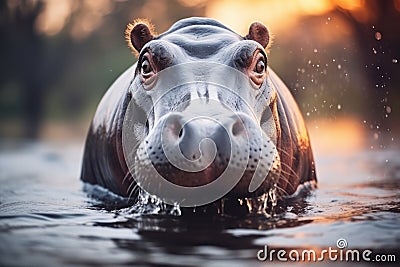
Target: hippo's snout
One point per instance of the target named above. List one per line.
(203, 139)
(194, 151)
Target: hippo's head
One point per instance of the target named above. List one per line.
(202, 119)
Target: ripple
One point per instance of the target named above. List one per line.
(46, 219)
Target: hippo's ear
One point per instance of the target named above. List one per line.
(259, 33)
(138, 33)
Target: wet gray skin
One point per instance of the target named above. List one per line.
(199, 108)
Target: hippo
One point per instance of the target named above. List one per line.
(199, 118)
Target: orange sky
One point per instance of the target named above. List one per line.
(238, 14)
(277, 14)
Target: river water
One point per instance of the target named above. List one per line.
(47, 219)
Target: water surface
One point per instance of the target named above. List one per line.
(47, 219)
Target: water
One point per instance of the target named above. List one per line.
(47, 219)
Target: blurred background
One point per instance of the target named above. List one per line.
(340, 58)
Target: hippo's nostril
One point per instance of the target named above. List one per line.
(238, 127)
(174, 124)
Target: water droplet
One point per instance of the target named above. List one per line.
(394, 60)
(329, 18)
(221, 208)
(388, 109)
(176, 211)
(249, 204)
(378, 36)
(272, 197)
(339, 66)
(374, 50)
(315, 50)
(376, 136)
(339, 107)
(308, 114)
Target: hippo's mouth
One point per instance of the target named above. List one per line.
(249, 171)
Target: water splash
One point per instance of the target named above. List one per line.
(273, 199)
(148, 204)
(221, 207)
(175, 210)
(264, 204)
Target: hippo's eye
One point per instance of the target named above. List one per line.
(260, 66)
(146, 68)
(147, 71)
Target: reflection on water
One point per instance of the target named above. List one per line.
(46, 219)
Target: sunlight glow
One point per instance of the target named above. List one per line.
(350, 4)
(87, 16)
(344, 134)
(313, 7)
(54, 16)
(278, 15)
(90, 17)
